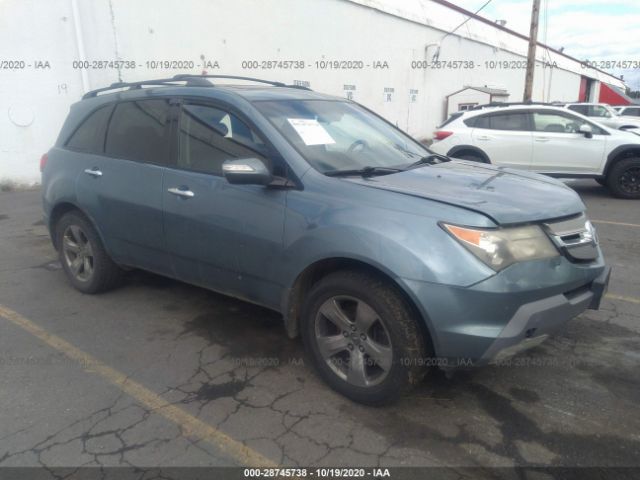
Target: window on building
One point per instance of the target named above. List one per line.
(463, 107)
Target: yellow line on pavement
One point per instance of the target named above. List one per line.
(612, 296)
(622, 224)
(190, 425)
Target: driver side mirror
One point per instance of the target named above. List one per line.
(586, 130)
(246, 171)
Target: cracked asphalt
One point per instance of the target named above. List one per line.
(234, 380)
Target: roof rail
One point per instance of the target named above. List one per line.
(510, 104)
(158, 82)
(187, 76)
(191, 80)
(184, 76)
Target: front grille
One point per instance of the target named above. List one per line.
(575, 238)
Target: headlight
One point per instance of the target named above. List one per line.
(499, 248)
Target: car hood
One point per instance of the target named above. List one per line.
(505, 195)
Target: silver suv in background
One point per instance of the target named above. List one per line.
(629, 111)
(604, 114)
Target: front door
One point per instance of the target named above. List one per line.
(214, 230)
(559, 147)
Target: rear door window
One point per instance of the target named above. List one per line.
(582, 109)
(139, 130)
(89, 136)
(515, 121)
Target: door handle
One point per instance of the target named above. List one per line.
(94, 172)
(181, 193)
(542, 139)
(484, 137)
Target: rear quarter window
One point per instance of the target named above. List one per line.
(89, 136)
(451, 118)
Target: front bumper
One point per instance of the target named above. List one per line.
(534, 322)
(515, 309)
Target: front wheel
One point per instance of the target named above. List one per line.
(363, 338)
(623, 179)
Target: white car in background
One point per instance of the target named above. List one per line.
(629, 111)
(544, 139)
(604, 114)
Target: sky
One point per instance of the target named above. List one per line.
(587, 29)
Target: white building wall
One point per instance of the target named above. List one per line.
(34, 102)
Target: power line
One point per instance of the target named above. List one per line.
(468, 18)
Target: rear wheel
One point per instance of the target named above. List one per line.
(83, 257)
(624, 178)
(362, 337)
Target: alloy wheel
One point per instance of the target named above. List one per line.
(78, 253)
(353, 341)
(630, 180)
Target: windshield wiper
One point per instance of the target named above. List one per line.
(428, 160)
(363, 172)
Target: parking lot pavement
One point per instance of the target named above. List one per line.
(162, 373)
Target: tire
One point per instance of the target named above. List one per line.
(623, 180)
(83, 257)
(392, 336)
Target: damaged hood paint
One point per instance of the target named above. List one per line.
(505, 195)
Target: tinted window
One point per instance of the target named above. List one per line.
(209, 136)
(631, 112)
(510, 121)
(89, 137)
(582, 109)
(138, 131)
(503, 121)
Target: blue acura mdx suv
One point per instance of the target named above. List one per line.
(384, 257)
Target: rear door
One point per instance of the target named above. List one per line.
(558, 146)
(505, 137)
(221, 236)
(121, 188)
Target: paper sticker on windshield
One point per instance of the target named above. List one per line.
(310, 131)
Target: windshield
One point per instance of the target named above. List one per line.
(334, 135)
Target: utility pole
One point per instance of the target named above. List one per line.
(531, 54)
